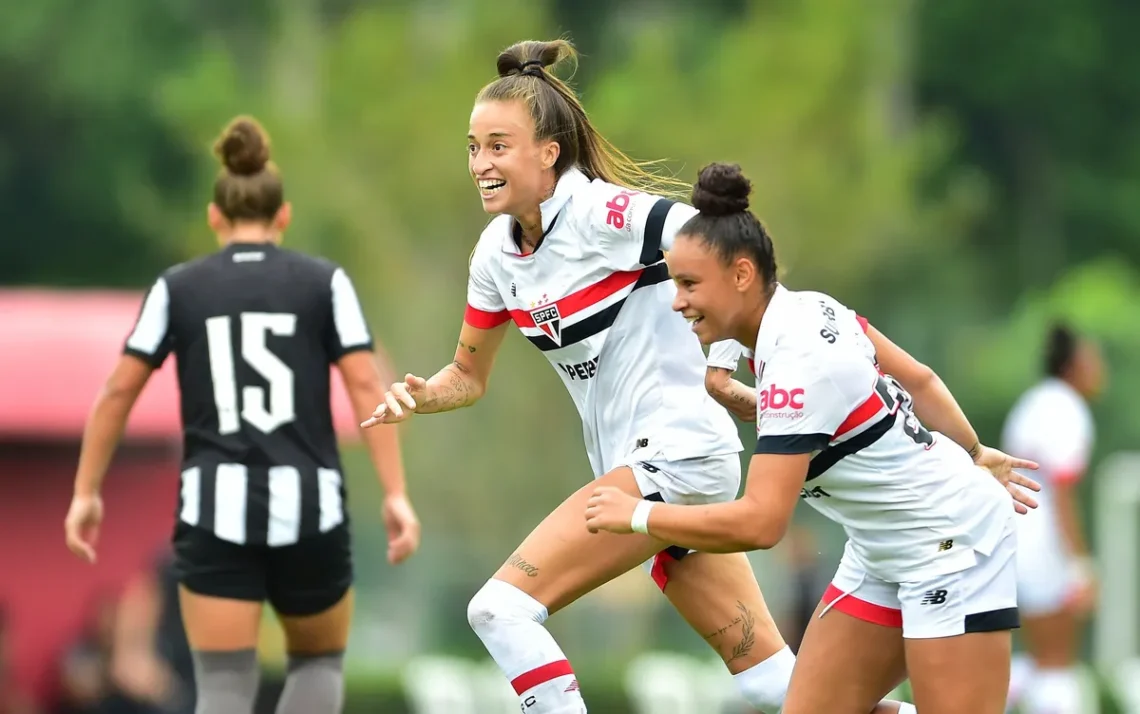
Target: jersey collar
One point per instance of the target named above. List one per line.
(772, 324)
(571, 180)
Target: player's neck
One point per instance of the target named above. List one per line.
(750, 325)
(251, 234)
(529, 231)
(528, 226)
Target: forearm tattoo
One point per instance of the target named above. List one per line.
(450, 389)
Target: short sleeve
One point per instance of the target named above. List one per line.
(638, 226)
(349, 328)
(725, 354)
(150, 340)
(799, 407)
(485, 306)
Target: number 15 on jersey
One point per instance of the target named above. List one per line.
(266, 412)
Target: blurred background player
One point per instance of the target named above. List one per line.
(1051, 423)
(261, 517)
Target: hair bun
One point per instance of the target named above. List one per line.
(244, 147)
(721, 190)
(533, 57)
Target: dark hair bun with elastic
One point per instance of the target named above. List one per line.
(534, 56)
(244, 147)
(721, 190)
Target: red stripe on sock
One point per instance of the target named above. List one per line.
(539, 675)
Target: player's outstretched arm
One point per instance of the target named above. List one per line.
(459, 384)
(756, 521)
(464, 381)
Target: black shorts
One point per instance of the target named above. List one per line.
(305, 578)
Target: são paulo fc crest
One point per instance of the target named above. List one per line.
(549, 321)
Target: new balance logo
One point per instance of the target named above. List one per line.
(934, 597)
(945, 545)
(815, 492)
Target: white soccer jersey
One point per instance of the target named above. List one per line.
(911, 501)
(1050, 424)
(596, 299)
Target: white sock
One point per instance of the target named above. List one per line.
(765, 685)
(1053, 691)
(905, 708)
(509, 622)
(1020, 679)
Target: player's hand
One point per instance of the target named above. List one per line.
(403, 528)
(610, 509)
(81, 526)
(1001, 466)
(400, 402)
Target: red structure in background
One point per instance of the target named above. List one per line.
(56, 350)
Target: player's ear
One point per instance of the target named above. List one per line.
(744, 273)
(283, 218)
(549, 153)
(217, 221)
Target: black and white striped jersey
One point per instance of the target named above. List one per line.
(254, 329)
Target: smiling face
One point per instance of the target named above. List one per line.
(716, 299)
(513, 169)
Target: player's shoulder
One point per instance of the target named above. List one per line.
(316, 264)
(188, 271)
(813, 330)
(489, 246)
(1061, 398)
(597, 206)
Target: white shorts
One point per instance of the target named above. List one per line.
(1045, 574)
(981, 598)
(710, 479)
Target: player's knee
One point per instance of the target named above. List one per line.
(503, 602)
(226, 681)
(765, 685)
(315, 683)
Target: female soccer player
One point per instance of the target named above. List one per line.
(927, 583)
(575, 260)
(261, 513)
(1056, 582)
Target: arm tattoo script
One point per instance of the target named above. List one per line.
(516, 561)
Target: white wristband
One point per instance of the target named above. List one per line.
(640, 520)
